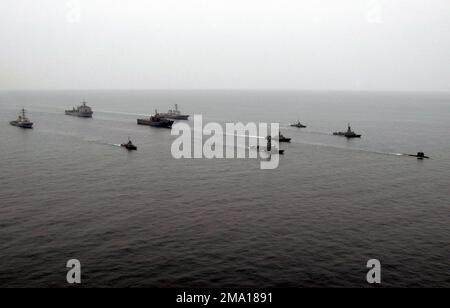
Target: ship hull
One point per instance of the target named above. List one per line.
(347, 136)
(22, 125)
(178, 117)
(129, 147)
(160, 124)
(283, 139)
(80, 115)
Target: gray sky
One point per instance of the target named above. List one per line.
(241, 44)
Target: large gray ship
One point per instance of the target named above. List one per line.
(156, 120)
(174, 114)
(82, 111)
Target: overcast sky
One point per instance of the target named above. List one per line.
(214, 44)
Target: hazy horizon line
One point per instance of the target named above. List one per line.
(226, 89)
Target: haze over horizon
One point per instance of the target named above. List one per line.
(369, 45)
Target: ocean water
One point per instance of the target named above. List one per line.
(144, 219)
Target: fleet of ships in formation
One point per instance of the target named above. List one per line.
(166, 120)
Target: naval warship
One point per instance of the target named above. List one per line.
(156, 120)
(348, 134)
(174, 114)
(298, 124)
(82, 111)
(22, 121)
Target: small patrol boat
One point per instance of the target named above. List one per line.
(129, 145)
(282, 138)
(269, 146)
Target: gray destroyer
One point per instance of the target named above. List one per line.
(22, 121)
(82, 111)
(349, 134)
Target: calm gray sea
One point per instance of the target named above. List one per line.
(144, 219)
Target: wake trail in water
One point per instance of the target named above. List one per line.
(100, 142)
(351, 149)
(237, 145)
(225, 134)
(123, 113)
(106, 143)
(305, 131)
(93, 140)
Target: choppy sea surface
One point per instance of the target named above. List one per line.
(145, 219)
